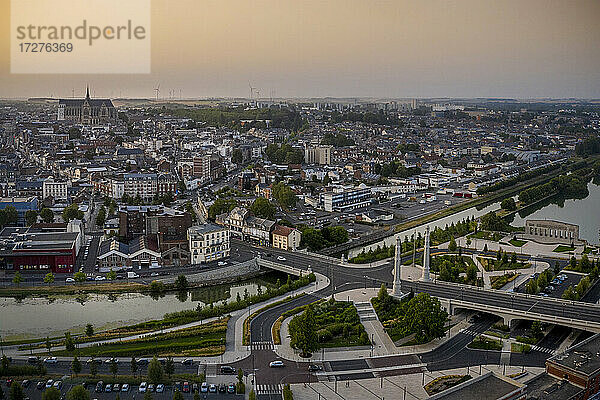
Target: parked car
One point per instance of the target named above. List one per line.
(32, 360)
(40, 385)
(99, 386)
(150, 388)
(49, 383)
(108, 388)
(69, 280)
(222, 388)
(177, 387)
(212, 388)
(25, 383)
(221, 263)
(142, 388)
(314, 368)
(57, 385)
(276, 364)
(280, 258)
(195, 388)
(125, 387)
(51, 360)
(100, 278)
(231, 388)
(204, 387)
(187, 361)
(116, 387)
(160, 388)
(186, 387)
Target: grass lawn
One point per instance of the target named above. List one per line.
(499, 281)
(202, 340)
(483, 343)
(563, 249)
(445, 382)
(486, 235)
(520, 348)
(491, 264)
(517, 242)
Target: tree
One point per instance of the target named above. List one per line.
(452, 244)
(79, 276)
(155, 371)
(89, 330)
(508, 204)
(69, 342)
(51, 393)
(531, 287)
(133, 366)
(4, 362)
(169, 367)
(17, 279)
(101, 217)
(284, 195)
(93, 369)
(31, 217)
(148, 396)
(181, 282)
(76, 366)
(472, 273)
(263, 208)
(72, 212)
(303, 332)
(111, 275)
(47, 215)
(221, 206)
(425, 317)
(485, 248)
(114, 367)
(178, 395)
(492, 222)
(49, 278)
(16, 391)
(536, 330)
(236, 156)
(78, 393)
(11, 215)
(287, 392)
(252, 395)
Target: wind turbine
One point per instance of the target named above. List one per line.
(157, 91)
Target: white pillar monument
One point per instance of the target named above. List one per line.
(426, 256)
(396, 291)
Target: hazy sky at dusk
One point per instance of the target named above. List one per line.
(348, 48)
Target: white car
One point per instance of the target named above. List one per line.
(142, 388)
(276, 364)
(221, 263)
(160, 388)
(281, 258)
(100, 278)
(69, 280)
(204, 387)
(125, 387)
(51, 360)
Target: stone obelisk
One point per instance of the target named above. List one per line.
(426, 256)
(396, 291)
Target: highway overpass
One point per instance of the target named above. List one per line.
(510, 306)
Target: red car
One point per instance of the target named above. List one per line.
(186, 387)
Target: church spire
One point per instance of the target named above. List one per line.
(87, 92)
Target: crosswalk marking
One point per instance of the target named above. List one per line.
(269, 389)
(262, 346)
(470, 332)
(542, 349)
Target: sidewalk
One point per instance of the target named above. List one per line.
(394, 387)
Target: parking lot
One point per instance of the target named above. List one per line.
(557, 287)
(32, 392)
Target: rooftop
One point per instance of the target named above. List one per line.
(546, 387)
(488, 386)
(583, 357)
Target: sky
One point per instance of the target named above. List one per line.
(349, 48)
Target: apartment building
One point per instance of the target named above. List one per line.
(208, 242)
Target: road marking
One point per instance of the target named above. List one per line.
(269, 389)
(262, 346)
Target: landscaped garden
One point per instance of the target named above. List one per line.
(516, 242)
(484, 343)
(500, 280)
(486, 235)
(563, 249)
(201, 340)
(421, 315)
(502, 262)
(445, 382)
(336, 325)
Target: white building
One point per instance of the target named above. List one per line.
(55, 189)
(208, 242)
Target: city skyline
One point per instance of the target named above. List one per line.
(467, 49)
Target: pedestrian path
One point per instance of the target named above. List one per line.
(269, 389)
(262, 346)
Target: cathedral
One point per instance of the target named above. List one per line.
(87, 111)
